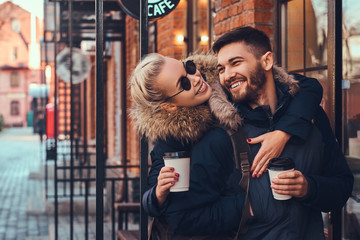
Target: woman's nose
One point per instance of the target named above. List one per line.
(195, 78)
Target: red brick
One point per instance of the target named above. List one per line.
(233, 10)
(218, 29)
(263, 17)
(248, 5)
(225, 3)
(264, 4)
(224, 14)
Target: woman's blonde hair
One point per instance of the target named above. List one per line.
(142, 82)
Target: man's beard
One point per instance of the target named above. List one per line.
(252, 90)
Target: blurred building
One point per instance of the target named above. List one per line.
(20, 34)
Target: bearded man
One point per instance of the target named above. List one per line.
(257, 91)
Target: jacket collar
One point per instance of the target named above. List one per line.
(228, 114)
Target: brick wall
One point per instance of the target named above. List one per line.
(168, 28)
(231, 14)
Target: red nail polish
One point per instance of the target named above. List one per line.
(249, 140)
(176, 179)
(259, 175)
(266, 170)
(172, 183)
(176, 174)
(253, 176)
(172, 169)
(251, 170)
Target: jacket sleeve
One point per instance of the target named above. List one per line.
(150, 203)
(302, 109)
(330, 190)
(149, 199)
(203, 209)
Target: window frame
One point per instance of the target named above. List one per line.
(14, 79)
(15, 108)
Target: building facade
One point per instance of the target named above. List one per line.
(19, 62)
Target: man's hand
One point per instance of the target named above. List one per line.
(166, 179)
(272, 145)
(291, 183)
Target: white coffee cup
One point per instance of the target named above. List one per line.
(180, 161)
(276, 166)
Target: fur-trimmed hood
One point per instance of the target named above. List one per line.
(226, 112)
(187, 124)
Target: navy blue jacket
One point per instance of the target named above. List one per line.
(206, 208)
(321, 161)
(296, 120)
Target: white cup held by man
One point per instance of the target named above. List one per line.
(276, 166)
(180, 161)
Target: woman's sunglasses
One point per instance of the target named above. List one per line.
(185, 83)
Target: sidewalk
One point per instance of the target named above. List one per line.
(19, 156)
(25, 214)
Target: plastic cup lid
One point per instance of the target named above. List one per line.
(282, 163)
(179, 154)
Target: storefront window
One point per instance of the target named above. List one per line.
(316, 26)
(351, 111)
(295, 35)
(304, 40)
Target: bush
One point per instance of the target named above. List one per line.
(1, 122)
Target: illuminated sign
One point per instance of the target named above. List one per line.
(156, 8)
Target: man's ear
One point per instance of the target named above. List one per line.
(267, 61)
(168, 106)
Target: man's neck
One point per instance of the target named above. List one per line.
(267, 96)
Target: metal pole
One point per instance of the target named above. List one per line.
(99, 120)
(335, 79)
(86, 160)
(144, 30)
(337, 214)
(55, 125)
(71, 125)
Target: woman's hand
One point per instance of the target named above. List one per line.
(166, 179)
(272, 145)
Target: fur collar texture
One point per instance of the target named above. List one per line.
(225, 111)
(187, 124)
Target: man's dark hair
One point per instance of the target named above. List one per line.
(257, 41)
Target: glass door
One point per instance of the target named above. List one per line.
(351, 112)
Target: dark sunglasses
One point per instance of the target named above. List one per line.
(185, 83)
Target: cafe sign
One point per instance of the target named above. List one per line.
(156, 8)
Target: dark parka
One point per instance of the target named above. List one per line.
(319, 158)
(212, 205)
